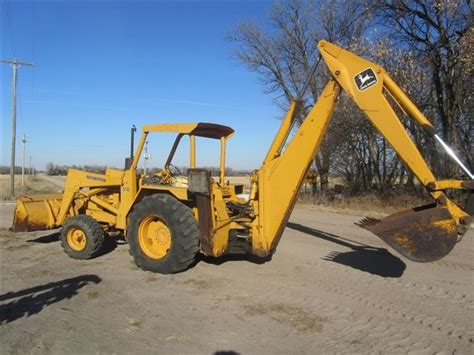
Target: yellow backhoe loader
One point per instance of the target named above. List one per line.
(168, 218)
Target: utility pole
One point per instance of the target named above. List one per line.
(15, 63)
(147, 156)
(23, 141)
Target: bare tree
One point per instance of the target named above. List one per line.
(440, 33)
(283, 56)
(362, 155)
(352, 148)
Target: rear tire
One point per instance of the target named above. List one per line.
(82, 237)
(162, 234)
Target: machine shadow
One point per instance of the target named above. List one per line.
(30, 301)
(232, 257)
(376, 261)
(110, 243)
(50, 238)
(109, 246)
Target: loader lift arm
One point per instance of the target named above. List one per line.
(423, 234)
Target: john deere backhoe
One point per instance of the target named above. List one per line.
(168, 218)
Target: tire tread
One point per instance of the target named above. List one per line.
(184, 231)
(94, 234)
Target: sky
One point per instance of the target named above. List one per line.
(102, 66)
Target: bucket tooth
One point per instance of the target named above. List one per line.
(422, 234)
(367, 222)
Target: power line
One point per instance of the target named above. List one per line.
(15, 63)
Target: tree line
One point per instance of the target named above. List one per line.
(55, 169)
(17, 171)
(427, 47)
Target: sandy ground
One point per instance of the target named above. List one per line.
(330, 288)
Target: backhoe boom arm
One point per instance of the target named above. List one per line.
(424, 234)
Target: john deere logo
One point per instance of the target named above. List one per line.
(365, 79)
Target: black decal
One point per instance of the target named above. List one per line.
(365, 79)
(95, 178)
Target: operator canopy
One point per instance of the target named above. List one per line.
(200, 129)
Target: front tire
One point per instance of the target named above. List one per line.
(82, 237)
(162, 234)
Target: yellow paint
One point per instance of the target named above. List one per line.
(280, 177)
(220, 223)
(102, 216)
(405, 242)
(282, 133)
(447, 225)
(154, 237)
(222, 162)
(190, 129)
(76, 239)
(448, 184)
(407, 105)
(38, 212)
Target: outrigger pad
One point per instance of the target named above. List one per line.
(422, 234)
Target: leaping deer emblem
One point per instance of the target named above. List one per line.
(363, 79)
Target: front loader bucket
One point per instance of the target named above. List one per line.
(421, 234)
(36, 212)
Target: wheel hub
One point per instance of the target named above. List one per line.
(76, 239)
(154, 237)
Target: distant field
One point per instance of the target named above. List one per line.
(43, 184)
(33, 185)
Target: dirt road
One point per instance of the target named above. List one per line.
(329, 289)
(55, 180)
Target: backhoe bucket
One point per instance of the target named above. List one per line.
(37, 212)
(421, 234)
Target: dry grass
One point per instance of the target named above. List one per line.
(238, 180)
(92, 294)
(134, 324)
(33, 185)
(286, 314)
(360, 205)
(57, 179)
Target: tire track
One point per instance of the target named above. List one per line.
(391, 304)
(408, 311)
